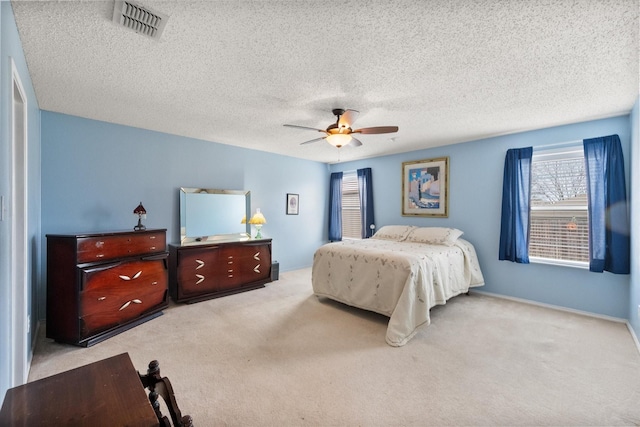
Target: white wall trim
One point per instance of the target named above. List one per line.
(565, 309)
(633, 335)
(19, 224)
(554, 307)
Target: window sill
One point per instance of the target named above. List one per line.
(559, 262)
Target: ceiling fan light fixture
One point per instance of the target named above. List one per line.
(339, 133)
(339, 139)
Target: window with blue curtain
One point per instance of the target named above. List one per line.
(609, 233)
(364, 222)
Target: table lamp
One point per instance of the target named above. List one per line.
(257, 220)
(140, 212)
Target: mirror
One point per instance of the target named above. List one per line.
(208, 215)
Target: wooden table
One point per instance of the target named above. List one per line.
(105, 393)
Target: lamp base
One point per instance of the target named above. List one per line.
(139, 227)
(258, 233)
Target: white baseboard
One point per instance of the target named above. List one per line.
(634, 336)
(568, 310)
(34, 340)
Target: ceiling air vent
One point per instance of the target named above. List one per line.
(138, 18)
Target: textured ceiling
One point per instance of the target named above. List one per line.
(234, 72)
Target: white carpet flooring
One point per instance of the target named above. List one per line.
(280, 356)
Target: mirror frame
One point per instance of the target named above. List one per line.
(195, 240)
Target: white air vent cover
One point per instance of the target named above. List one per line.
(139, 18)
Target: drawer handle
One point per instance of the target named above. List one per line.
(99, 255)
(152, 247)
(257, 256)
(135, 276)
(152, 237)
(229, 262)
(200, 278)
(154, 283)
(99, 243)
(257, 268)
(230, 275)
(126, 304)
(229, 271)
(200, 264)
(102, 298)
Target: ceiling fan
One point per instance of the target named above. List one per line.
(340, 133)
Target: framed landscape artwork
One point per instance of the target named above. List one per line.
(425, 187)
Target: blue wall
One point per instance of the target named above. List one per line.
(11, 50)
(475, 191)
(95, 173)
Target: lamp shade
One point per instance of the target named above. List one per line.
(258, 218)
(339, 139)
(140, 210)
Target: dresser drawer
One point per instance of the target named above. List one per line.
(102, 248)
(254, 262)
(115, 293)
(200, 270)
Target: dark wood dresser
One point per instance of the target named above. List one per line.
(101, 284)
(209, 270)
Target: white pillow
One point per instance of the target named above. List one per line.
(434, 235)
(394, 232)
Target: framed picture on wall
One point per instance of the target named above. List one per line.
(425, 187)
(293, 204)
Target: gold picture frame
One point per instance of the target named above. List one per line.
(425, 187)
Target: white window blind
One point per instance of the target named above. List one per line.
(559, 214)
(351, 219)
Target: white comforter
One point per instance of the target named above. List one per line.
(400, 280)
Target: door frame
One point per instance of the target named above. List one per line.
(18, 214)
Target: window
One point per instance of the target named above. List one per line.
(351, 216)
(559, 221)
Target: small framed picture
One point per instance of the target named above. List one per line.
(293, 204)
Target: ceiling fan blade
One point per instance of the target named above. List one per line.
(355, 142)
(347, 118)
(306, 127)
(377, 129)
(313, 140)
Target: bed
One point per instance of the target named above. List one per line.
(400, 272)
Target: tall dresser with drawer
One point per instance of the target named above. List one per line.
(101, 284)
